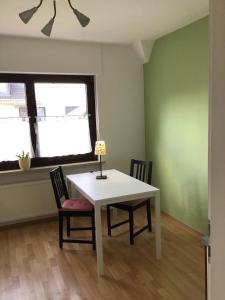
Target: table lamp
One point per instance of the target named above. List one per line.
(100, 150)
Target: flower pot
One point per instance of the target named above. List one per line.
(24, 163)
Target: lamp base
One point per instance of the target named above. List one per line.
(101, 177)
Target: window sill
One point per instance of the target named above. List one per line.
(42, 173)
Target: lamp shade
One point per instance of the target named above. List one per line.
(100, 148)
(47, 29)
(83, 20)
(28, 14)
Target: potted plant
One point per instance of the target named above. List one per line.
(24, 160)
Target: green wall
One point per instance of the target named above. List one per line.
(176, 116)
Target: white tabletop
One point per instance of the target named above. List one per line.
(118, 186)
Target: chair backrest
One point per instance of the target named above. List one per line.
(59, 186)
(141, 169)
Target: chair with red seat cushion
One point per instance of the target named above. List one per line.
(141, 170)
(79, 207)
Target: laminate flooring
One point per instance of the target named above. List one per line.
(33, 267)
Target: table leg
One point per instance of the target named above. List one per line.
(157, 226)
(98, 233)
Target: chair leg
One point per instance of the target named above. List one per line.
(68, 226)
(131, 222)
(148, 207)
(93, 231)
(109, 220)
(60, 231)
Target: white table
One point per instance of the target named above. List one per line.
(118, 187)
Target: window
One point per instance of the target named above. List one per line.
(50, 116)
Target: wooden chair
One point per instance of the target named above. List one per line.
(68, 208)
(141, 170)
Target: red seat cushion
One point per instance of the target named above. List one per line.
(78, 204)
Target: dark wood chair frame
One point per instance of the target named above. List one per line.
(60, 191)
(141, 170)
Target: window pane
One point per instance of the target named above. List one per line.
(64, 129)
(14, 123)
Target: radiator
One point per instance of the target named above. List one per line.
(26, 201)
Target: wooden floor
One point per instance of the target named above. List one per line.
(33, 267)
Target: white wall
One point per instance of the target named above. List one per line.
(217, 149)
(119, 88)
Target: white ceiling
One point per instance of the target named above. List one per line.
(112, 21)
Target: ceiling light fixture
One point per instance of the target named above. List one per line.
(26, 15)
